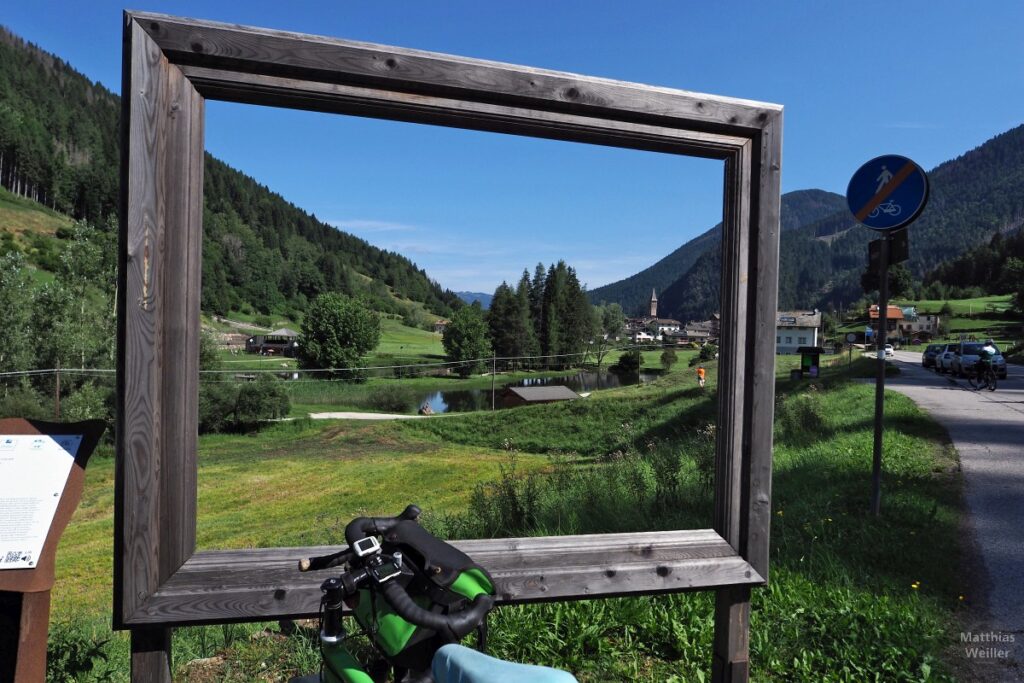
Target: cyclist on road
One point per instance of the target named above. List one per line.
(986, 354)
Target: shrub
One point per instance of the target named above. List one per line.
(391, 398)
(24, 402)
(629, 362)
(72, 652)
(88, 402)
(226, 407)
(257, 401)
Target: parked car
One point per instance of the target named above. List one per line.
(969, 352)
(944, 358)
(928, 357)
(888, 351)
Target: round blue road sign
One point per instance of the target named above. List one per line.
(887, 192)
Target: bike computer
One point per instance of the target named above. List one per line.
(384, 571)
(366, 546)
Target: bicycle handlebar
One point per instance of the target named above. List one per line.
(364, 526)
(361, 527)
(455, 626)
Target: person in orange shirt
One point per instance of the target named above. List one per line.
(700, 376)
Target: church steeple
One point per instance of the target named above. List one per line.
(654, 304)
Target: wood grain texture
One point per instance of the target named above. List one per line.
(158, 334)
(760, 402)
(151, 655)
(170, 65)
(320, 59)
(730, 661)
(243, 585)
(736, 345)
(432, 109)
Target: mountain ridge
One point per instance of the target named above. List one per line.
(633, 293)
(59, 146)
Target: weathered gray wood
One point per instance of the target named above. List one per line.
(170, 64)
(265, 584)
(316, 58)
(420, 108)
(151, 655)
(136, 538)
(735, 347)
(730, 663)
(760, 401)
(159, 340)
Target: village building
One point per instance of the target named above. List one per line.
(918, 326)
(659, 327)
(282, 342)
(893, 322)
(440, 326)
(794, 329)
(641, 337)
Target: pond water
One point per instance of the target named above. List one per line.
(465, 400)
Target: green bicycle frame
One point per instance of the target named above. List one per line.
(393, 632)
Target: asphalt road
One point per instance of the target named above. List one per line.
(987, 429)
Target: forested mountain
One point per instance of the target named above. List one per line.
(633, 294)
(59, 146)
(973, 197)
(995, 268)
(470, 297)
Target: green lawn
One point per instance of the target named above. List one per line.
(976, 306)
(407, 343)
(851, 597)
(292, 484)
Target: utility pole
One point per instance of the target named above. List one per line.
(493, 367)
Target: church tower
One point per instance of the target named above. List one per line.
(654, 304)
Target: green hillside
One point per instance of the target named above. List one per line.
(973, 197)
(59, 146)
(798, 209)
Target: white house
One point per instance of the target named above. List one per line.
(659, 326)
(794, 329)
(640, 337)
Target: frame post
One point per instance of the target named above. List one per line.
(151, 655)
(732, 635)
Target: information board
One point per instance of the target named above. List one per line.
(33, 471)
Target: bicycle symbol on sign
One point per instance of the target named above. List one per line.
(890, 208)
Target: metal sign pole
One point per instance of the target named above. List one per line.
(885, 194)
(883, 319)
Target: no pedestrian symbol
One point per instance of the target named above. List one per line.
(887, 192)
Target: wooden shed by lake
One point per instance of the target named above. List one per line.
(528, 396)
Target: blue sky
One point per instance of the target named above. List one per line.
(928, 80)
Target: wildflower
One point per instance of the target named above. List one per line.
(915, 585)
(779, 513)
(960, 598)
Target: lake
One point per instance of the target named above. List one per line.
(466, 400)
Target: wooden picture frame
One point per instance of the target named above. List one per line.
(171, 66)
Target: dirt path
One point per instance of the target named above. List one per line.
(363, 416)
(987, 429)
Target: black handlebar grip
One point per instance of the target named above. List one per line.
(326, 561)
(454, 626)
(361, 527)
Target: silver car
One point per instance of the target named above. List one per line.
(967, 357)
(944, 357)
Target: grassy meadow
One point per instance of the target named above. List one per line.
(851, 597)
